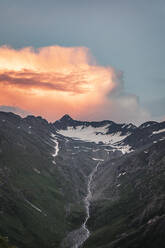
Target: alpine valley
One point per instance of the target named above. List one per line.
(72, 184)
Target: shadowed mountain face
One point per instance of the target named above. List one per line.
(48, 169)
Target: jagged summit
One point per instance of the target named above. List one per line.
(105, 131)
(66, 117)
(147, 124)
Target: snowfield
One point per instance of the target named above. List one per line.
(92, 134)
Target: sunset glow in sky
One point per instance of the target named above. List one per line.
(92, 60)
(52, 81)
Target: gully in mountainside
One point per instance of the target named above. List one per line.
(78, 237)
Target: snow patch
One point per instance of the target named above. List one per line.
(112, 150)
(56, 147)
(159, 131)
(96, 150)
(123, 148)
(33, 206)
(93, 134)
(122, 174)
(98, 159)
(36, 170)
(148, 125)
(129, 126)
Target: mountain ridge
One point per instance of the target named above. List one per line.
(44, 179)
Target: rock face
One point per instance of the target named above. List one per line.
(45, 170)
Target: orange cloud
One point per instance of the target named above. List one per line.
(53, 80)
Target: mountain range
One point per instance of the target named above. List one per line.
(72, 184)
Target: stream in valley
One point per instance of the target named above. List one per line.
(76, 238)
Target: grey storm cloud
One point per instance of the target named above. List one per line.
(16, 110)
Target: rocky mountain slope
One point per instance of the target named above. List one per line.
(128, 207)
(61, 180)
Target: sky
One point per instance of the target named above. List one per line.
(91, 59)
